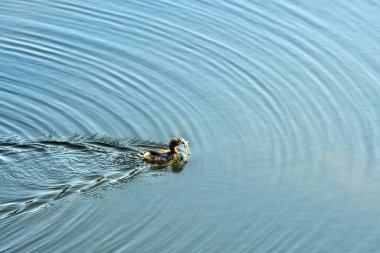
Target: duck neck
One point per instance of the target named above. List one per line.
(173, 150)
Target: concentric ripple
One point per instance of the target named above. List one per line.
(279, 100)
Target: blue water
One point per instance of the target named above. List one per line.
(278, 99)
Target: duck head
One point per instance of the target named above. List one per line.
(174, 143)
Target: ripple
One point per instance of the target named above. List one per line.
(117, 161)
(279, 101)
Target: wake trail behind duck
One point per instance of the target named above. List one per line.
(35, 173)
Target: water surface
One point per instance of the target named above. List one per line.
(279, 100)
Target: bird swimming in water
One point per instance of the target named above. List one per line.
(165, 157)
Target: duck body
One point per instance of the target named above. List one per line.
(160, 156)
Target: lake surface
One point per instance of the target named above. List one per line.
(279, 101)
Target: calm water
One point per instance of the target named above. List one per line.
(279, 100)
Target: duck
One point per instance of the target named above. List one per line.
(165, 157)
